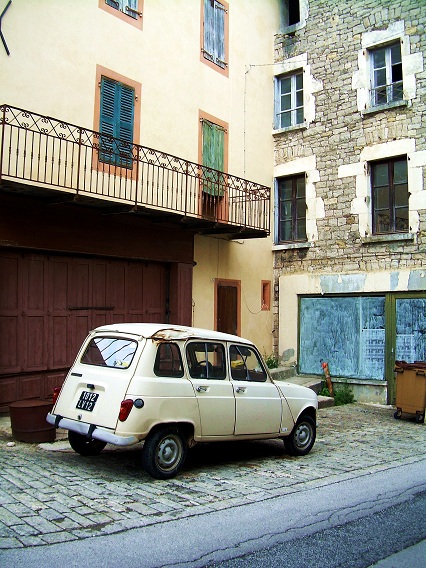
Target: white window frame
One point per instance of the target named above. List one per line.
(294, 108)
(391, 88)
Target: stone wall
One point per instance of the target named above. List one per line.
(341, 135)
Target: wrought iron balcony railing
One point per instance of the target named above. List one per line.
(43, 152)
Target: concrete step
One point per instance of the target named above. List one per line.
(314, 383)
(325, 401)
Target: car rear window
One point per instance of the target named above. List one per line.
(109, 352)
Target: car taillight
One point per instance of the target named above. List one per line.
(125, 408)
(56, 392)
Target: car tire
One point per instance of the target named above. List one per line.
(85, 446)
(164, 453)
(302, 437)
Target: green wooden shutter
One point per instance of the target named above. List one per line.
(116, 123)
(213, 157)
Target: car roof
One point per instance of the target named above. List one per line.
(169, 332)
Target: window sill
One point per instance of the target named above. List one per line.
(301, 126)
(291, 30)
(394, 237)
(380, 108)
(291, 246)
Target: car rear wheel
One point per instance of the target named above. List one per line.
(164, 453)
(85, 446)
(302, 437)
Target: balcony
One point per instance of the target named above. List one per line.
(62, 162)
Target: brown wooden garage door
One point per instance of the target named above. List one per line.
(48, 304)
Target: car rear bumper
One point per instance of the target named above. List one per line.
(91, 431)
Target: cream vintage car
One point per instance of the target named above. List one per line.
(173, 386)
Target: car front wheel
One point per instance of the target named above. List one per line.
(302, 437)
(164, 453)
(85, 446)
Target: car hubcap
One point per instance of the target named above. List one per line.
(302, 436)
(168, 453)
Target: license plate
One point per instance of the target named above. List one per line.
(87, 401)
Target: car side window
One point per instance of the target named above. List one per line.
(168, 361)
(246, 364)
(206, 360)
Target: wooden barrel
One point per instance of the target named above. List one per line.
(28, 421)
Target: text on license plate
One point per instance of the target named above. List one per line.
(87, 401)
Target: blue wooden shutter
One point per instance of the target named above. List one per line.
(209, 30)
(107, 121)
(125, 127)
(122, 5)
(133, 4)
(219, 34)
(214, 32)
(116, 122)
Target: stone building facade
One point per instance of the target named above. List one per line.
(350, 194)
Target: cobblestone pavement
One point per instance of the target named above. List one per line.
(49, 494)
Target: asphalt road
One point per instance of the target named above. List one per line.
(347, 523)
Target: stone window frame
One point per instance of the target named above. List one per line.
(361, 204)
(296, 201)
(310, 87)
(287, 29)
(314, 205)
(412, 63)
(391, 189)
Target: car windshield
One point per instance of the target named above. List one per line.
(109, 352)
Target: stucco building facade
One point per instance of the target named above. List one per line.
(136, 168)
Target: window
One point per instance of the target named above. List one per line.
(245, 364)
(168, 362)
(109, 352)
(266, 295)
(129, 11)
(291, 209)
(289, 100)
(116, 123)
(389, 184)
(129, 7)
(214, 46)
(386, 75)
(291, 12)
(354, 344)
(206, 360)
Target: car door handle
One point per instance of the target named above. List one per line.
(202, 389)
(241, 389)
